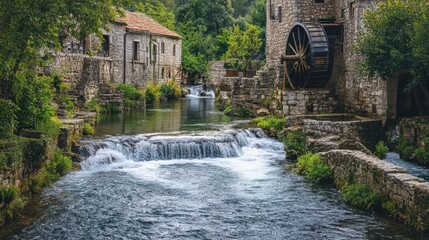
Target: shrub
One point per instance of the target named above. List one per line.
(7, 118)
(35, 102)
(405, 149)
(381, 149)
(132, 95)
(314, 169)
(361, 196)
(170, 90)
(152, 93)
(244, 112)
(54, 168)
(49, 127)
(13, 203)
(88, 129)
(422, 156)
(270, 123)
(7, 194)
(228, 109)
(93, 105)
(295, 143)
(66, 100)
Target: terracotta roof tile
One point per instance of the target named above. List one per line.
(139, 22)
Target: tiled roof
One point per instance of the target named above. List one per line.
(139, 22)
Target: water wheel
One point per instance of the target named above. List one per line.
(307, 62)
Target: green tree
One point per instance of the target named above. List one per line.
(158, 11)
(257, 16)
(395, 41)
(241, 7)
(244, 46)
(197, 50)
(213, 14)
(29, 32)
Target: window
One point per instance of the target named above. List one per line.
(136, 51)
(162, 48)
(154, 53)
(174, 50)
(280, 14)
(147, 54)
(169, 73)
(162, 73)
(272, 9)
(105, 46)
(319, 1)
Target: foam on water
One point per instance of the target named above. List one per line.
(247, 153)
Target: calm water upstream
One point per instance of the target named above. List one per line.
(182, 172)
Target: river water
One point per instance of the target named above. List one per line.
(183, 172)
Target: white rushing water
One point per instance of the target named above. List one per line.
(200, 91)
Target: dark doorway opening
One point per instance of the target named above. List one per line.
(411, 103)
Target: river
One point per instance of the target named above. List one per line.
(183, 172)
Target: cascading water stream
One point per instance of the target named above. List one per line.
(200, 91)
(227, 144)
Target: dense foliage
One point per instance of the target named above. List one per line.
(206, 27)
(395, 41)
(314, 169)
(409, 152)
(28, 36)
(361, 196)
(381, 150)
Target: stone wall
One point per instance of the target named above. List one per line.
(414, 130)
(409, 195)
(256, 94)
(216, 72)
(366, 131)
(308, 101)
(26, 156)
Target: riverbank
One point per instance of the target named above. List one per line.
(345, 144)
(33, 161)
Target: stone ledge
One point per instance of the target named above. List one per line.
(409, 194)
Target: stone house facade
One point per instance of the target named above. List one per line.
(134, 50)
(343, 20)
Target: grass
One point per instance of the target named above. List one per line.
(270, 123)
(361, 196)
(381, 150)
(314, 169)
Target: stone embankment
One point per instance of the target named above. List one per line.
(405, 196)
(23, 159)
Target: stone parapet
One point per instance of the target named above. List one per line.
(408, 195)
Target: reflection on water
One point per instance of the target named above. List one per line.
(181, 115)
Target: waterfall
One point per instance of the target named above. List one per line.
(204, 145)
(201, 91)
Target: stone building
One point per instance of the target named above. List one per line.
(145, 49)
(342, 21)
(135, 49)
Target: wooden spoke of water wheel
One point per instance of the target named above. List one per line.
(306, 60)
